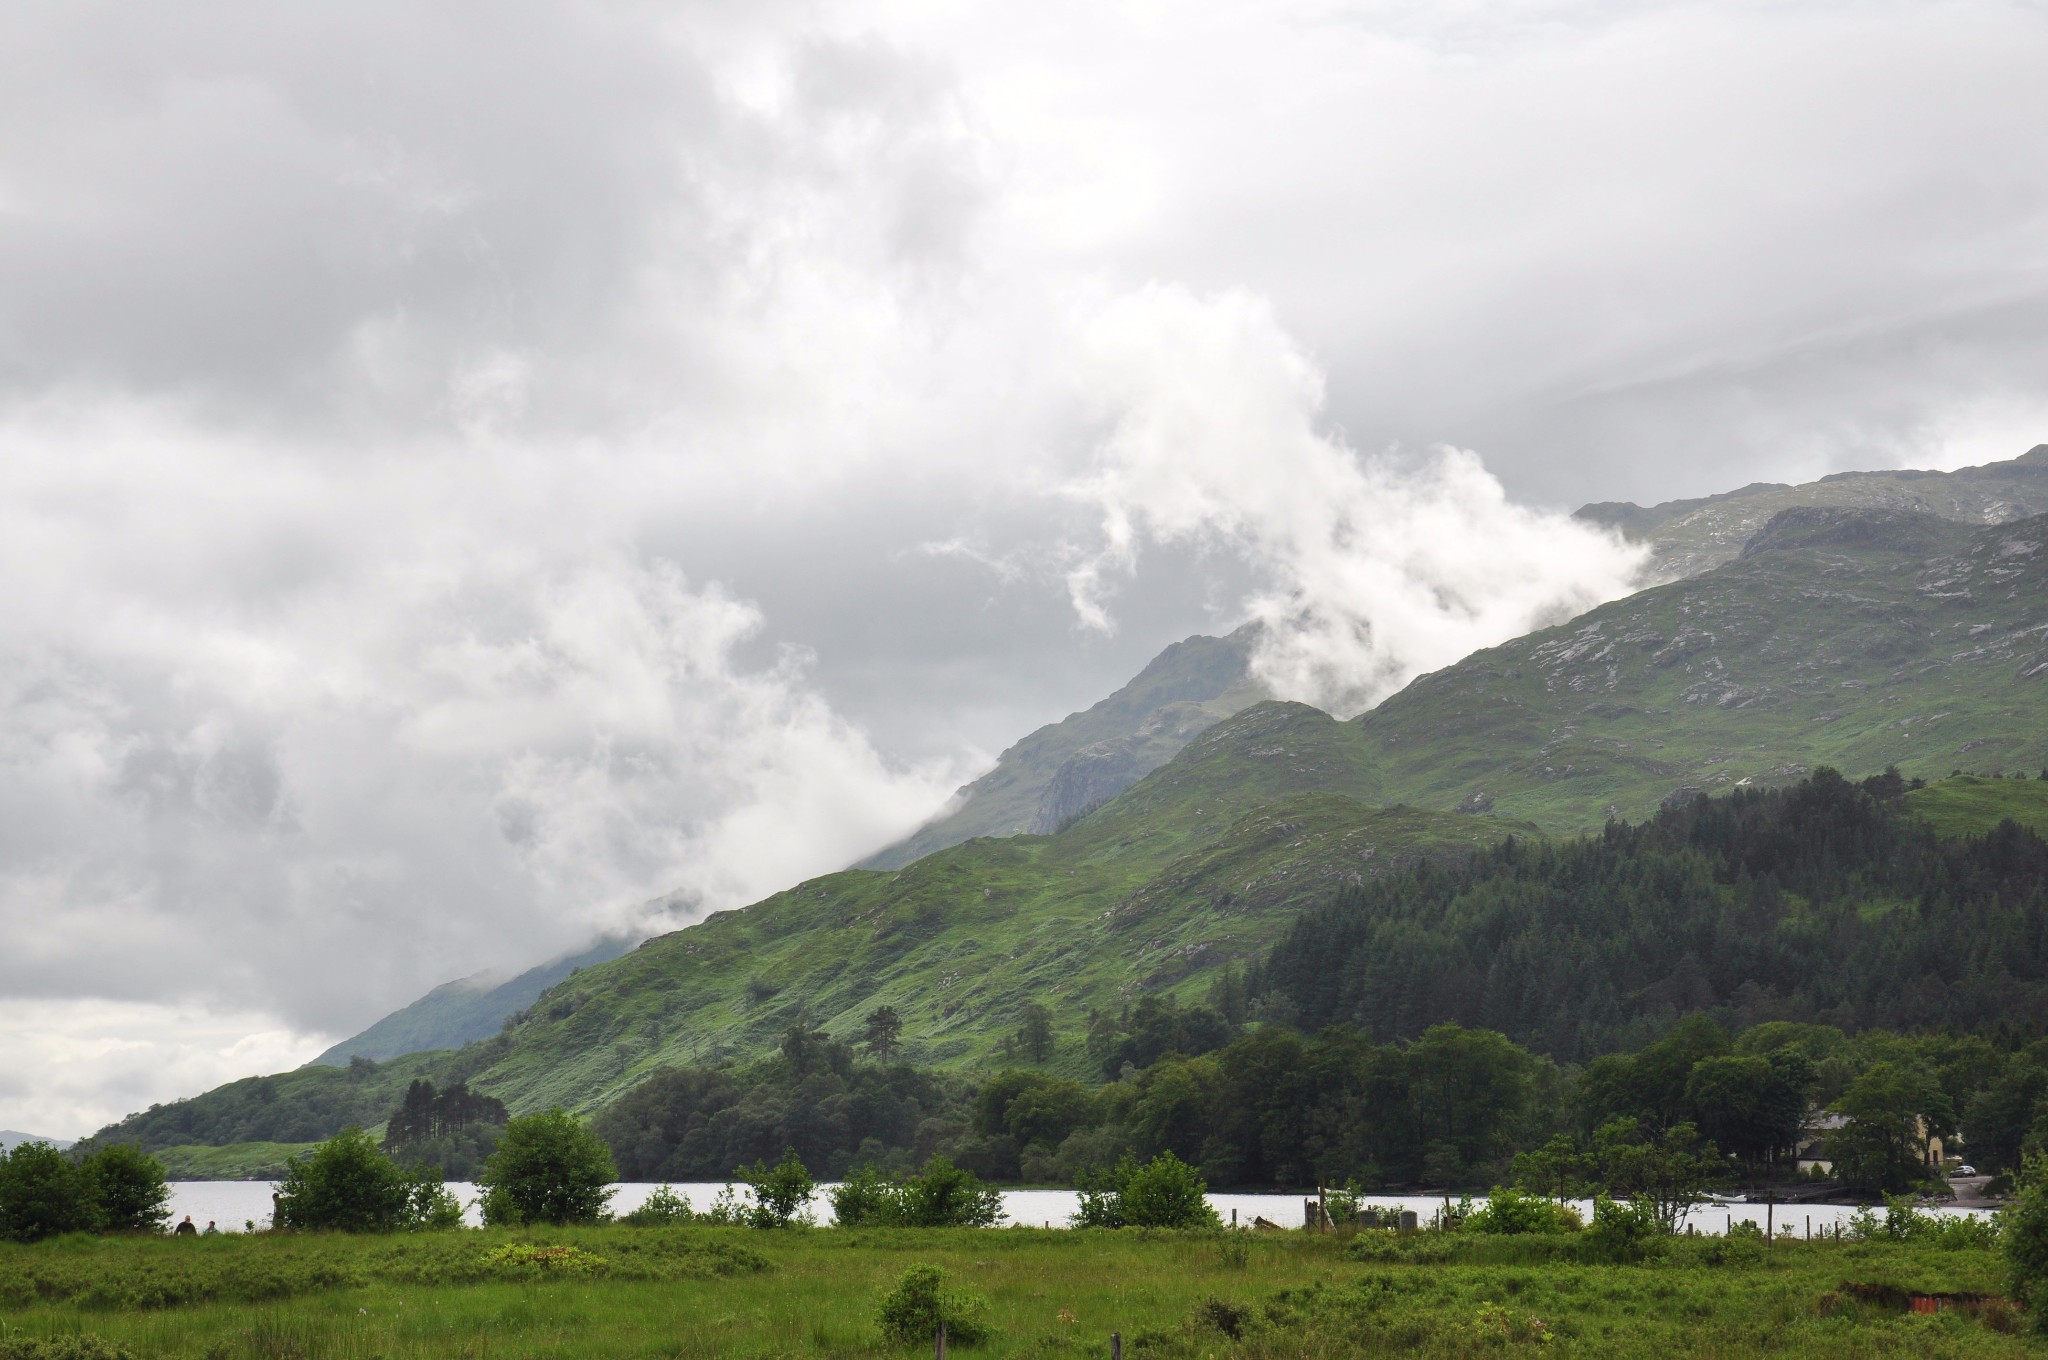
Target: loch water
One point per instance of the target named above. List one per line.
(236, 1205)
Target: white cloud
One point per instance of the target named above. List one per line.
(59, 1059)
(392, 718)
(1373, 571)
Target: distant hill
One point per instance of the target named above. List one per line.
(1690, 536)
(1071, 766)
(288, 1108)
(1852, 638)
(457, 1013)
(11, 1139)
(1082, 761)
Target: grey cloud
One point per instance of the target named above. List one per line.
(268, 204)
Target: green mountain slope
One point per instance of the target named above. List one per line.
(1065, 768)
(962, 940)
(460, 1012)
(1857, 639)
(302, 1106)
(1692, 536)
(1202, 864)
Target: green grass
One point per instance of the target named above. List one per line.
(234, 1162)
(708, 1292)
(1970, 805)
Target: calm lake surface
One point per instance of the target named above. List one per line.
(236, 1204)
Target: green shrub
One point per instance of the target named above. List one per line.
(2025, 1238)
(782, 1193)
(1162, 1193)
(1904, 1221)
(134, 1193)
(866, 1198)
(664, 1208)
(43, 1193)
(525, 1259)
(726, 1211)
(1623, 1231)
(1742, 1245)
(547, 1168)
(942, 1196)
(1509, 1211)
(910, 1313)
(946, 1196)
(348, 1184)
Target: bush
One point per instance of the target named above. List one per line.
(864, 1199)
(348, 1184)
(726, 1211)
(547, 1168)
(43, 1193)
(1623, 1232)
(664, 1208)
(782, 1193)
(134, 1194)
(1509, 1210)
(943, 1196)
(2025, 1238)
(1162, 1193)
(523, 1259)
(910, 1313)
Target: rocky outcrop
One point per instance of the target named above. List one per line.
(1085, 781)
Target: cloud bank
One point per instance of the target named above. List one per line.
(1371, 570)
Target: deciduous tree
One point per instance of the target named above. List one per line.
(548, 1168)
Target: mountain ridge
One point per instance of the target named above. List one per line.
(1687, 537)
(1066, 768)
(460, 1012)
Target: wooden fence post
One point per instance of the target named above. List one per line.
(939, 1342)
(1116, 1346)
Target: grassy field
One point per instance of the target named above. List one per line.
(235, 1162)
(709, 1292)
(1970, 805)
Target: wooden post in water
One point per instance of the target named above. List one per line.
(939, 1341)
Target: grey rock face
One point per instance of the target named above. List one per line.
(1085, 781)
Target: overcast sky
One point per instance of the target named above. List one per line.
(468, 469)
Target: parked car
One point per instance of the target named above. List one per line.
(1964, 1171)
